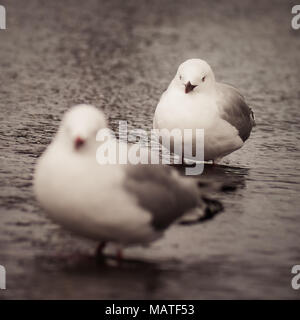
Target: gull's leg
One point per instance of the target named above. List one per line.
(119, 254)
(100, 248)
(216, 161)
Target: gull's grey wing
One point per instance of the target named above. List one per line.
(161, 192)
(235, 110)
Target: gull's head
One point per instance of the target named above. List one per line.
(194, 75)
(80, 125)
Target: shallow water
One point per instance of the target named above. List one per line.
(121, 57)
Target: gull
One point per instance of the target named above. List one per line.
(194, 100)
(119, 203)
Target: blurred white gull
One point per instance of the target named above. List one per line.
(123, 204)
(194, 100)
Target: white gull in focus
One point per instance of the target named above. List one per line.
(194, 100)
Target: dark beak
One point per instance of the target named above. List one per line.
(79, 142)
(189, 87)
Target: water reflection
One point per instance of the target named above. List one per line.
(108, 277)
(221, 177)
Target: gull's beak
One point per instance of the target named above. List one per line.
(189, 87)
(78, 142)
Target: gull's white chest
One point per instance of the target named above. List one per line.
(79, 194)
(178, 110)
(197, 111)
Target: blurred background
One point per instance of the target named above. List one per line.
(120, 56)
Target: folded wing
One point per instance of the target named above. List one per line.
(162, 192)
(235, 110)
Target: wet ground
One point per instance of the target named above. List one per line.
(120, 56)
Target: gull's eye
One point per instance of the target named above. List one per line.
(180, 77)
(203, 79)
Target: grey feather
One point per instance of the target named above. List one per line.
(235, 110)
(161, 192)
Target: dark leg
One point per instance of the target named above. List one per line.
(182, 160)
(119, 255)
(100, 248)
